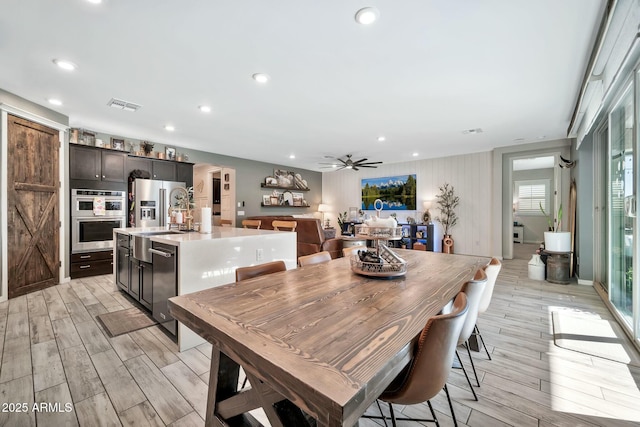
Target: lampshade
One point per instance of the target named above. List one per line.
(323, 207)
(427, 204)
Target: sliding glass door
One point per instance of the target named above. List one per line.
(621, 205)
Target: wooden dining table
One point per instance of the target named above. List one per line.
(319, 343)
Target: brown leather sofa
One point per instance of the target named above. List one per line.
(311, 238)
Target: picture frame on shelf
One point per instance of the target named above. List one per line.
(285, 178)
(170, 153)
(298, 199)
(266, 200)
(271, 181)
(117, 143)
(274, 200)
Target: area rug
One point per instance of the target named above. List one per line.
(124, 321)
(591, 335)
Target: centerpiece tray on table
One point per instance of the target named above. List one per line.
(383, 262)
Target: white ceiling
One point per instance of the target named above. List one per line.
(422, 74)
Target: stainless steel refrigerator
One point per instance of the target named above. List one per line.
(151, 202)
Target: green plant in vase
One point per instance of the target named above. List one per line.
(447, 202)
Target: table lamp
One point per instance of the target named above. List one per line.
(322, 208)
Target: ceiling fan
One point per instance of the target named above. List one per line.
(348, 163)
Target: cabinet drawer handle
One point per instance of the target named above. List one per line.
(126, 256)
(85, 256)
(86, 266)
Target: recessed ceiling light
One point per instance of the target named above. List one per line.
(542, 136)
(381, 138)
(95, 1)
(292, 156)
(54, 101)
(205, 108)
(169, 128)
(415, 154)
(471, 131)
(260, 77)
(367, 15)
(65, 65)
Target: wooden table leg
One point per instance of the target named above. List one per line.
(223, 383)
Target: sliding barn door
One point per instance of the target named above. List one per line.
(32, 200)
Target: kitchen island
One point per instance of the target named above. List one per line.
(200, 261)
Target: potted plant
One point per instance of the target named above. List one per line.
(447, 201)
(554, 239)
(342, 217)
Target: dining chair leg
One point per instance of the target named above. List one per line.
(384, 419)
(433, 413)
(477, 332)
(393, 415)
(472, 364)
(466, 376)
(453, 414)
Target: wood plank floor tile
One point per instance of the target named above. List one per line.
(36, 304)
(194, 420)
(123, 391)
(125, 347)
(92, 337)
(41, 329)
(195, 360)
(97, 411)
(141, 414)
(78, 312)
(84, 294)
(162, 395)
(81, 375)
(189, 384)
(62, 412)
(47, 366)
(19, 390)
(16, 359)
(17, 325)
(66, 333)
(55, 305)
(66, 293)
(18, 305)
(157, 352)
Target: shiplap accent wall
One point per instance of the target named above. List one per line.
(470, 175)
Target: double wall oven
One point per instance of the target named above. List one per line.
(94, 215)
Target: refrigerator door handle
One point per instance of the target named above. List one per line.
(162, 214)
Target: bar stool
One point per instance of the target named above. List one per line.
(226, 222)
(279, 225)
(251, 223)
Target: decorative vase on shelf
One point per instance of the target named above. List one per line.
(447, 244)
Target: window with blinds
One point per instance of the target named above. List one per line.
(531, 195)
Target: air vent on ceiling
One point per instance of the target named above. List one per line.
(123, 105)
(469, 131)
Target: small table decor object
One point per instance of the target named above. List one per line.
(383, 262)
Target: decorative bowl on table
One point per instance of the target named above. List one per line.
(385, 263)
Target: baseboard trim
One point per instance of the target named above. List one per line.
(585, 282)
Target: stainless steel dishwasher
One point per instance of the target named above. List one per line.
(165, 283)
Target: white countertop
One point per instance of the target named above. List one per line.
(177, 238)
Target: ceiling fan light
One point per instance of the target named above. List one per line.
(261, 77)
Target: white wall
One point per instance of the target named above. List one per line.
(469, 174)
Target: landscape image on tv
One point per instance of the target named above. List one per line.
(397, 193)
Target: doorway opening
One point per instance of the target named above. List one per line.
(214, 187)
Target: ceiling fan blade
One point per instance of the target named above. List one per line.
(369, 163)
(366, 166)
(354, 168)
(361, 160)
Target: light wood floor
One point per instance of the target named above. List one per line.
(53, 351)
